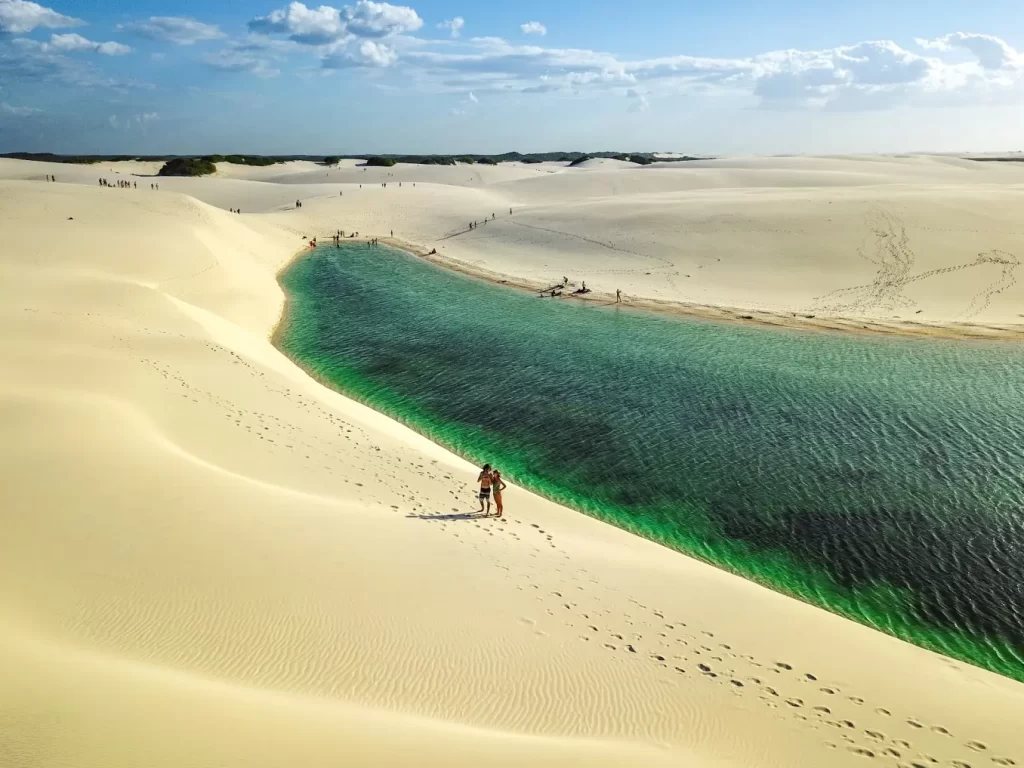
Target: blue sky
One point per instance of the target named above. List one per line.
(734, 76)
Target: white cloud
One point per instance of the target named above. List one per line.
(21, 16)
(867, 75)
(326, 24)
(473, 98)
(229, 60)
(533, 28)
(369, 53)
(453, 25)
(75, 42)
(24, 60)
(174, 29)
(113, 121)
(147, 117)
(991, 52)
(638, 101)
(8, 109)
(369, 19)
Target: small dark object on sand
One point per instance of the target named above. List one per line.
(71, 218)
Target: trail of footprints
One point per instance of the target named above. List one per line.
(649, 635)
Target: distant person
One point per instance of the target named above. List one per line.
(392, 233)
(498, 485)
(509, 211)
(136, 184)
(565, 281)
(484, 478)
(618, 296)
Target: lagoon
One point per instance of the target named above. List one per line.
(879, 478)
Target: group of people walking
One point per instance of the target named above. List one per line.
(124, 184)
(491, 484)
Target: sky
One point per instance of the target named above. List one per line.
(484, 76)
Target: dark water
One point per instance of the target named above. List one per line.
(881, 479)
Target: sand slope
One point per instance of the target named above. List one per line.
(209, 559)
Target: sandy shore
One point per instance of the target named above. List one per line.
(210, 559)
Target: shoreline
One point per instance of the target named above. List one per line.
(788, 321)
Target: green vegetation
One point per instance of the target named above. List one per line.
(188, 166)
(573, 158)
(579, 160)
(426, 160)
(258, 160)
(46, 157)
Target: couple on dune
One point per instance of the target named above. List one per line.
(490, 481)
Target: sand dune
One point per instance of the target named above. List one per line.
(863, 242)
(210, 559)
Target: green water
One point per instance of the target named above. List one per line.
(882, 479)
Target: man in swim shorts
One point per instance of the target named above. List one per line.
(484, 478)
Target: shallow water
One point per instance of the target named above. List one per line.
(882, 479)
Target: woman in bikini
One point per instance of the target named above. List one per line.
(484, 478)
(498, 485)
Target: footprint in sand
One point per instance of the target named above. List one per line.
(861, 751)
(1003, 761)
(795, 702)
(940, 729)
(977, 746)
(783, 665)
(829, 691)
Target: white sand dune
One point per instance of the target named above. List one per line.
(208, 558)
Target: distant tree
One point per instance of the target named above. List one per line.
(578, 160)
(188, 166)
(467, 159)
(332, 160)
(487, 160)
(379, 162)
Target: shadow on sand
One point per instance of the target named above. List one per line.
(457, 516)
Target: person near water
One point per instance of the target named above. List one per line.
(497, 486)
(484, 478)
(618, 296)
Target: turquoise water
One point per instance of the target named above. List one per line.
(882, 479)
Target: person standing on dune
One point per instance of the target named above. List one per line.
(484, 478)
(498, 485)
